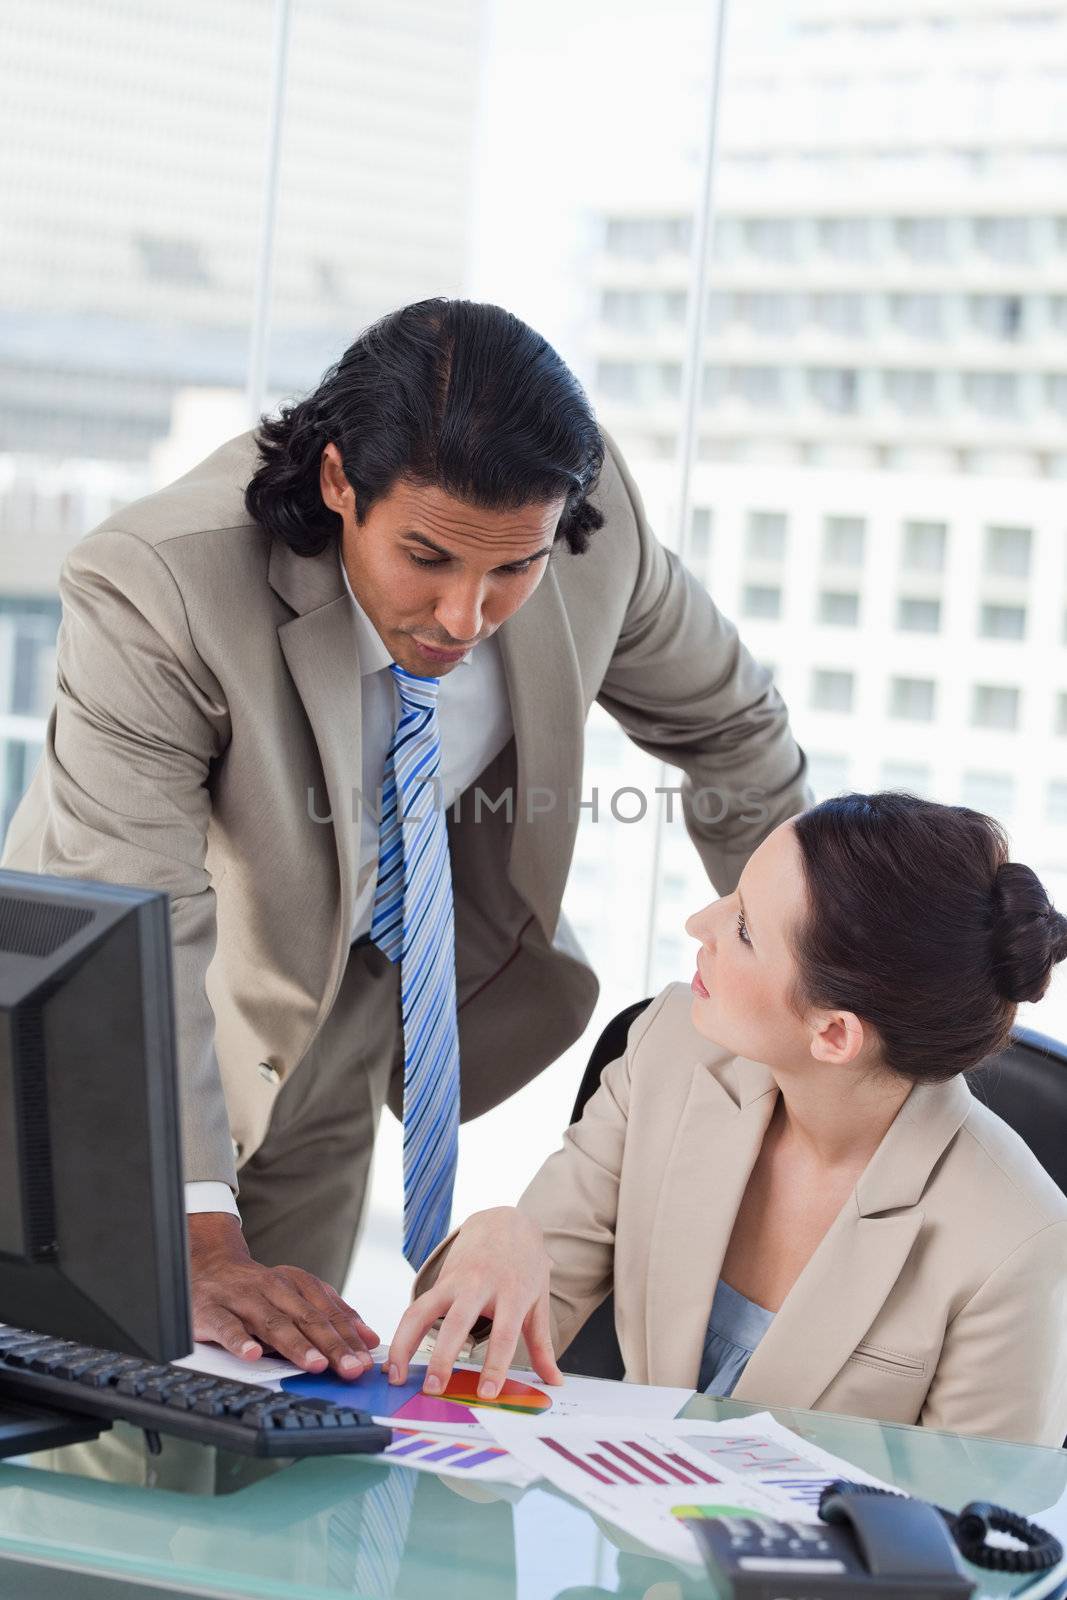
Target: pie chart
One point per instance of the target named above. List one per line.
(406, 1401)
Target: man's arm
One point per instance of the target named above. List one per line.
(139, 719)
(686, 690)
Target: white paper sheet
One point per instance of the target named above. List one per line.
(640, 1475)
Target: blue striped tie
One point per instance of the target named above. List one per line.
(413, 922)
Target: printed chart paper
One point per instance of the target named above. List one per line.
(524, 1394)
(644, 1476)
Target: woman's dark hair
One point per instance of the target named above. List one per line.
(445, 393)
(919, 923)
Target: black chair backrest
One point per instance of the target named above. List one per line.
(609, 1047)
(1026, 1085)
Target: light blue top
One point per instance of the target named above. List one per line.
(735, 1328)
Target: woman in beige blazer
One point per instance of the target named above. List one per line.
(796, 1128)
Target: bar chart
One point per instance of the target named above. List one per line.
(629, 1461)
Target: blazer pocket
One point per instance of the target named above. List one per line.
(893, 1363)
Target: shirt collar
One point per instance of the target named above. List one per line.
(373, 655)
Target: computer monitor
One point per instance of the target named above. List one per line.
(92, 1224)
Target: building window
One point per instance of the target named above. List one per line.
(1003, 238)
(994, 394)
(765, 536)
(1061, 714)
(1056, 392)
(643, 310)
(839, 607)
(645, 238)
(921, 315)
(843, 541)
(761, 600)
(924, 546)
(756, 386)
(1007, 552)
(1056, 807)
(911, 776)
(771, 238)
(922, 238)
(1000, 316)
(713, 389)
(913, 393)
(990, 792)
(769, 313)
(619, 380)
(700, 533)
(1002, 622)
(834, 388)
(827, 774)
(840, 313)
(832, 691)
(918, 615)
(912, 699)
(167, 259)
(995, 705)
(845, 238)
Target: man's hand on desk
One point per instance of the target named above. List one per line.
(243, 1306)
(497, 1266)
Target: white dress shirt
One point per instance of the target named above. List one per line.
(474, 716)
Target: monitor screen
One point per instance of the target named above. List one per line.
(92, 1224)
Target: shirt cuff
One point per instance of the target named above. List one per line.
(210, 1197)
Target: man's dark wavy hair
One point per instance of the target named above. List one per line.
(444, 393)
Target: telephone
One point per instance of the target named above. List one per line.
(868, 1542)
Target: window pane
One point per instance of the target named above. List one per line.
(1007, 552)
(828, 774)
(843, 541)
(1002, 622)
(910, 776)
(912, 699)
(990, 792)
(995, 706)
(765, 536)
(924, 546)
(761, 600)
(839, 607)
(832, 691)
(915, 615)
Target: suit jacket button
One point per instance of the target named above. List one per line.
(267, 1073)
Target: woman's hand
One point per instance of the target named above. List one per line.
(498, 1267)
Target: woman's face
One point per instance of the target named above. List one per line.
(745, 968)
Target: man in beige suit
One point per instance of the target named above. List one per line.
(442, 506)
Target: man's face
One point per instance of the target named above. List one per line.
(435, 575)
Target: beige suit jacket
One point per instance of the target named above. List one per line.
(938, 1296)
(208, 712)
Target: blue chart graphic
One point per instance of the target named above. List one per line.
(373, 1392)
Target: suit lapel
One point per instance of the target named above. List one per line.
(319, 645)
(719, 1136)
(852, 1272)
(547, 708)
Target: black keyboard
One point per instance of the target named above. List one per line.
(243, 1417)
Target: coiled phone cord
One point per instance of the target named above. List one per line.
(970, 1528)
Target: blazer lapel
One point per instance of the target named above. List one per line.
(852, 1272)
(719, 1136)
(547, 708)
(319, 645)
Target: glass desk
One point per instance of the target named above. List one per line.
(318, 1529)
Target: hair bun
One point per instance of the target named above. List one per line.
(1029, 934)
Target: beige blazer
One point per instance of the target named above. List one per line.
(206, 741)
(938, 1296)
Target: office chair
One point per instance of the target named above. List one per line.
(1025, 1085)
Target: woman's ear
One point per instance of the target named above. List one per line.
(837, 1037)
